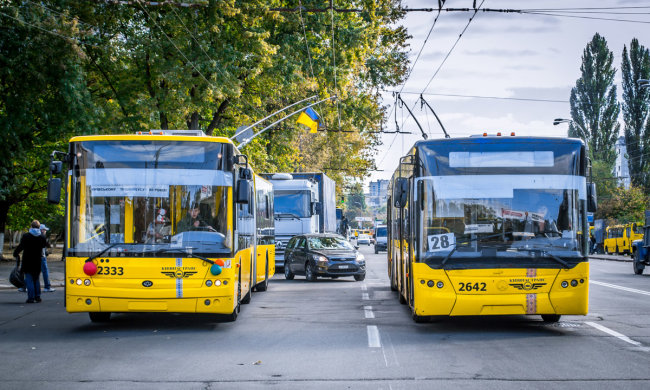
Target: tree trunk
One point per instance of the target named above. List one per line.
(193, 122)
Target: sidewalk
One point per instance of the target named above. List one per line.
(55, 266)
(622, 258)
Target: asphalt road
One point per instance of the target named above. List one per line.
(332, 334)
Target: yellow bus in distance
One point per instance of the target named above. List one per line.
(619, 238)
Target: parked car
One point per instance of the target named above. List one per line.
(325, 255)
(363, 239)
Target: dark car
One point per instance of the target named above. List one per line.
(328, 255)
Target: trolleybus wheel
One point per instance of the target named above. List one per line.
(402, 300)
(99, 316)
(265, 284)
(638, 266)
(551, 317)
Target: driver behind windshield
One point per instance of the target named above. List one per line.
(193, 221)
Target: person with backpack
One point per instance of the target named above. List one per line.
(32, 245)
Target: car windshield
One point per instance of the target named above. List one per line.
(381, 232)
(329, 243)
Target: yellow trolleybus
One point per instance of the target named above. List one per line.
(491, 226)
(162, 222)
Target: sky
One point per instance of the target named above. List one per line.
(505, 55)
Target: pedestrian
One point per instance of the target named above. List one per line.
(44, 269)
(32, 244)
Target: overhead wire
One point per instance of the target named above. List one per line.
(394, 106)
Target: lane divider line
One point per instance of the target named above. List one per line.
(614, 333)
(365, 296)
(368, 312)
(633, 290)
(373, 337)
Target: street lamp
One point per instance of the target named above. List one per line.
(557, 121)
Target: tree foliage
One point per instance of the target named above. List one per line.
(635, 66)
(43, 97)
(624, 205)
(594, 109)
(76, 67)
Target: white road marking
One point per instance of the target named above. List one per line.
(368, 311)
(365, 296)
(364, 287)
(373, 337)
(633, 290)
(614, 333)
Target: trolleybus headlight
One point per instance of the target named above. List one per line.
(87, 282)
(89, 301)
(79, 282)
(440, 284)
(430, 283)
(574, 283)
(208, 283)
(421, 281)
(207, 302)
(565, 284)
(217, 282)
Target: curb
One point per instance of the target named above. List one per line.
(620, 259)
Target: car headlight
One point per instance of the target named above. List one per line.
(360, 257)
(322, 260)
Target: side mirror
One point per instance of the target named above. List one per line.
(316, 208)
(56, 167)
(400, 192)
(592, 204)
(241, 159)
(356, 247)
(54, 190)
(243, 192)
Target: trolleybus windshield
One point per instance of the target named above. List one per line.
(150, 199)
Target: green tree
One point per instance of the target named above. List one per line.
(625, 205)
(43, 98)
(635, 66)
(594, 109)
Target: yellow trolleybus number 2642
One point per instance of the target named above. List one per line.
(491, 226)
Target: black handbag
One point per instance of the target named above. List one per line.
(16, 277)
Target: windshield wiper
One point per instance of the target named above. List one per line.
(96, 255)
(442, 264)
(188, 254)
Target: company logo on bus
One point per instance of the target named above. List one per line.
(178, 272)
(528, 284)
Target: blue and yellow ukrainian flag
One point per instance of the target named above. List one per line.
(310, 119)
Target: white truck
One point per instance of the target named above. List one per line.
(303, 203)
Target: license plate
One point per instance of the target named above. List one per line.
(344, 266)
